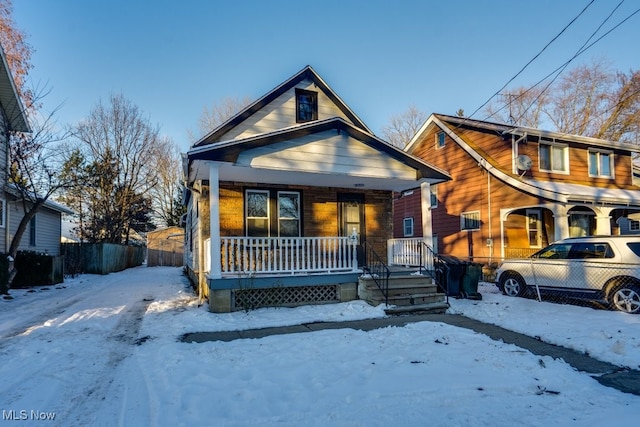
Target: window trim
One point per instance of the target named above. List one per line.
(279, 218)
(246, 211)
(440, 140)
(565, 155)
(33, 231)
(464, 216)
(314, 105)
(404, 226)
(433, 195)
(598, 153)
(3, 213)
(273, 210)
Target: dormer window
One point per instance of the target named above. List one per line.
(306, 106)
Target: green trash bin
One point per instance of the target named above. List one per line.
(470, 281)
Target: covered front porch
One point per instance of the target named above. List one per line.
(283, 219)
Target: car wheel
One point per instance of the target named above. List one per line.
(512, 286)
(626, 298)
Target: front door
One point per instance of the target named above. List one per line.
(350, 218)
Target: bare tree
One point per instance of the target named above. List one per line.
(520, 107)
(37, 160)
(217, 114)
(167, 194)
(402, 127)
(590, 100)
(119, 145)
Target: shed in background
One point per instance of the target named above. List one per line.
(165, 247)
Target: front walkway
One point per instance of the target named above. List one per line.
(610, 375)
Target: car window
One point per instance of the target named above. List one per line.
(557, 251)
(635, 247)
(588, 250)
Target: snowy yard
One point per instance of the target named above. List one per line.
(104, 350)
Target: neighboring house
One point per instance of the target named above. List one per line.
(514, 189)
(284, 196)
(43, 233)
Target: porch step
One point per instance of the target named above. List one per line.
(404, 291)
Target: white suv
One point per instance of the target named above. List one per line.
(605, 268)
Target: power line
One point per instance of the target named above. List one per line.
(534, 58)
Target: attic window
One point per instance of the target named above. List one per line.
(306, 106)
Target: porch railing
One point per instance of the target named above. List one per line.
(378, 270)
(410, 252)
(287, 255)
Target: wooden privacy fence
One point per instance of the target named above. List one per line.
(100, 258)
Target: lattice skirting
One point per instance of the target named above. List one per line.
(249, 299)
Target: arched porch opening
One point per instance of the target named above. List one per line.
(527, 230)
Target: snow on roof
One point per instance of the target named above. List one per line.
(583, 193)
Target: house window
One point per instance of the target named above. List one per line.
(554, 158)
(634, 225)
(470, 220)
(32, 232)
(408, 227)
(440, 140)
(2, 213)
(600, 164)
(257, 213)
(270, 213)
(306, 106)
(434, 196)
(288, 214)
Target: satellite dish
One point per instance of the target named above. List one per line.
(523, 162)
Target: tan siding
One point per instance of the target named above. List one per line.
(326, 152)
(281, 113)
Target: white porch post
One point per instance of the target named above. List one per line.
(425, 204)
(561, 222)
(603, 221)
(214, 221)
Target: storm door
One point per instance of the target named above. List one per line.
(350, 218)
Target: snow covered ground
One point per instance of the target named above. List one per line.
(105, 351)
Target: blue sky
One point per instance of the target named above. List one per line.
(173, 58)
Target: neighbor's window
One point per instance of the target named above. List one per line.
(408, 227)
(634, 225)
(470, 220)
(257, 213)
(434, 196)
(440, 140)
(306, 106)
(600, 164)
(288, 214)
(554, 158)
(32, 231)
(2, 213)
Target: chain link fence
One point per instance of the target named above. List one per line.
(595, 282)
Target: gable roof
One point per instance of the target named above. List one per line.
(506, 129)
(550, 190)
(307, 73)
(10, 100)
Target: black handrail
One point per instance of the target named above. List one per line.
(376, 267)
(435, 267)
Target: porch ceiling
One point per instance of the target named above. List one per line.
(238, 173)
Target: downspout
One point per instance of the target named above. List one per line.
(489, 217)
